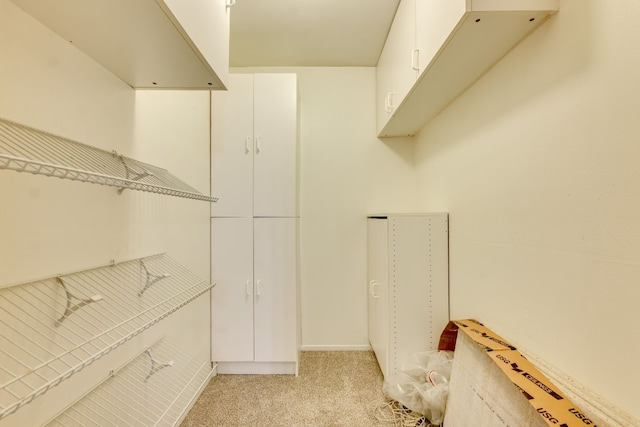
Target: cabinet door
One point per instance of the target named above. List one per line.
(275, 289)
(435, 21)
(373, 248)
(275, 151)
(395, 72)
(232, 148)
(371, 287)
(378, 266)
(410, 238)
(232, 295)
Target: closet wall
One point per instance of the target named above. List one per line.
(538, 167)
(51, 226)
(346, 173)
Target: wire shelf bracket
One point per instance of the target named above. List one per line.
(39, 349)
(73, 307)
(130, 172)
(155, 365)
(150, 278)
(25, 149)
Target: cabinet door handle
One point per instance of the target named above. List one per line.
(246, 145)
(388, 105)
(257, 143)
(372, 290)
(415, 59)
(258, 288)
(248, 288)
(230, 3)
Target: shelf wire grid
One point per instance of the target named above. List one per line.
(39, 349)
(25, 149)
(133, 398)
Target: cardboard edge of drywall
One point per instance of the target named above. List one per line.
(545, 397)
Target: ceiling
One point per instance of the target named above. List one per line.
(309, 32)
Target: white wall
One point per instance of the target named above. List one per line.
(51, 226)
(346, 173)
(538, 165)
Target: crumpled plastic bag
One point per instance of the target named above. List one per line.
(423, 386)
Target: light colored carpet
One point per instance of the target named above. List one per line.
(335, 388)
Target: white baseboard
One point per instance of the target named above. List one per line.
(258, 368)
(363, 347)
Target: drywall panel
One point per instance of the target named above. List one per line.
(346, 172)
(537, 165)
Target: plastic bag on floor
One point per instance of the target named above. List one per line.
(423, 387)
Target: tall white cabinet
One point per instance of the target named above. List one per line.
(408, 285)
(254, 226)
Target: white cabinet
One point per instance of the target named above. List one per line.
(378, 296)
(232, 147)
(254, 146)
(232, 297)
(408, 285)
(438, 48)
(254, 303)
(275, 273)
(395, 73)
(170, 44)
(255, 326)
(206, 23)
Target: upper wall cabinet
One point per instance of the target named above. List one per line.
(254, 146)
(395, 72)
(168, 44)
(438, 48)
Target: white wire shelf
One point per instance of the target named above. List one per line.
(155, 389)
(25, 149)
(53, 328)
